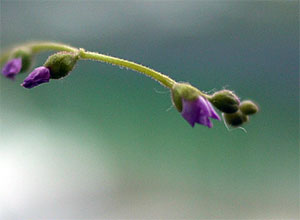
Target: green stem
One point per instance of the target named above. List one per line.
(45, 46)
(163, 79)
(37, 47)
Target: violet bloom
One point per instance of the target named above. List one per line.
(199, 111)
(12, 68)
(36, 77)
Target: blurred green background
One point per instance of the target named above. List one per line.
(102, 142)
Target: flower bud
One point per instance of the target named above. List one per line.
(61, 64)
(248, 107)
(226, 101)
(12, 68)
(19, 60)
(183, 91)
(235, 119)
(36, 77)
(26, 55)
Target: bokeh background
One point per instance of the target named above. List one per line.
(103, 143)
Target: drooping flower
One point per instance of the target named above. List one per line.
(36, 77)
(12, 68)
(198, 111)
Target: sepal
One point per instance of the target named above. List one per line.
(61, 64)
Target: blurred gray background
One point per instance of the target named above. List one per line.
(102, 144)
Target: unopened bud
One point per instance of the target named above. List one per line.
(235, 119)
(61, 64)
(26, 55)
(226, 101)
(36, 77)
(248, 107)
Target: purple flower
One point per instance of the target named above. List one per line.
(12, 68)
(199, 111)
(36, 77)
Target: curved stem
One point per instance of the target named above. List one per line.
(37, 47)
(163, 79)
(45, 46)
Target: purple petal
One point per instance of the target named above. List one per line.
(198, 111)
(36, 77)
(204, 108)
(213, 113)
(205, 121)
(190, 111)
(12, 68)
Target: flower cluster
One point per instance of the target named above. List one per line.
(194, 105)
(57, 66)
(235, 113)
(197, 107)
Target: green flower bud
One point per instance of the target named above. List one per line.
(235, 119)
(61, 64)
(248, 107)
(226, 101)
(26, 55)
(183, 90)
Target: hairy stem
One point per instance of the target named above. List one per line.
(163, 79)
(45, 46)
(37, 47)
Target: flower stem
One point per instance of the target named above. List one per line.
(37, 47)
(163, 79)
(45, 46)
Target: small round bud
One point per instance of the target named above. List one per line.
(26, 55)
(248, 107)
(235, 119)
(61, 64)
(226, 101)
(183, 91)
